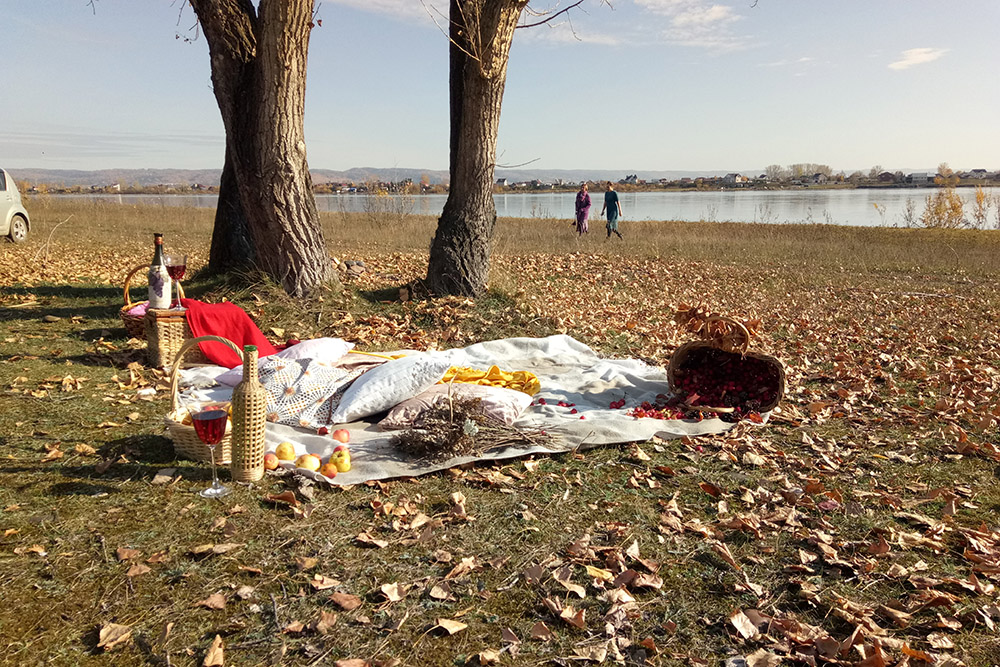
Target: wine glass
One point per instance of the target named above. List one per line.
(210, 425)
(176, 267)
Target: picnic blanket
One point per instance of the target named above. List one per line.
(568, 372)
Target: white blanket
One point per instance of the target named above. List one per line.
(568, 370)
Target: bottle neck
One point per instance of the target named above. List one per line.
(250, 363)
(158, 251)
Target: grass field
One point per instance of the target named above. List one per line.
(857, 528)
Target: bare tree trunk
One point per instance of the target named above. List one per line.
(481, 33)
(259, 76)
(232, 246)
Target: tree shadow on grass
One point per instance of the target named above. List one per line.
(382, 295)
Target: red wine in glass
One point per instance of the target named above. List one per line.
(176, 264)
(210, 425)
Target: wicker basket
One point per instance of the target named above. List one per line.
(187, 444)
(166, 332)
(729, 349)
(135, 325)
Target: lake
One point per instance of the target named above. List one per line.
(852, 207)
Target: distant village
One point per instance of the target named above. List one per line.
(774, 178)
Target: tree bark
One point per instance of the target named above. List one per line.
(259, 76)
(481, 32)
(232, 246)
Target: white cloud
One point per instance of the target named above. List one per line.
(402, 9)
(919, 56)
(565, 34)
(698, 23)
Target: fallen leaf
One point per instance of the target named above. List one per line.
(321, 582)
(723, 551)
(214, 601)
(324, 623)
(163, 476)
(214, 656)
(450, 626)
(126, 554)
(304, 563)
(564, 576)
(488, 657)
(393, 592)
(137, 569)
(286, 497)
(541, 632)
(367, 540)
(507, 635)
(743, 625)
(113, 634)
(345, 601)
(574, 617)
(596, 653)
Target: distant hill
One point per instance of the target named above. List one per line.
(150, 177)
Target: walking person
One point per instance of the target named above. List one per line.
(614, 209)
(582, 210)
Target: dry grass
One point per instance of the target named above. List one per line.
(881, 324)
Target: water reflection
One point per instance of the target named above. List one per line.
(859, 207)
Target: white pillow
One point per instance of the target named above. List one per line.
(320, 349)
(387, 385)
(499, 403)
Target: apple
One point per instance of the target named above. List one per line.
(308, 461)
(328, 470)
(341, 435)
(342, 448)
(342, 460)
(285, 451)
(270, 461)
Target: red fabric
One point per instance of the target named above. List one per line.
(229, 321)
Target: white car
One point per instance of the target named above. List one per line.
(14, 221)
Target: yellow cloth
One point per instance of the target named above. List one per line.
(517, 380)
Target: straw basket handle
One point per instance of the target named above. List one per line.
(741, 332)
(128, 280)
(188, 344)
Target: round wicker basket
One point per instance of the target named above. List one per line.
(187, 444)
(135, 325)
(727, 342)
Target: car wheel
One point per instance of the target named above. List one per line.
(18, 229)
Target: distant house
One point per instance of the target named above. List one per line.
(734, 179)
(819, 179)
(978, 173)
(886, 177)
(919, 177)
(502, 182)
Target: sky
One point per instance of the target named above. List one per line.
(635, 85)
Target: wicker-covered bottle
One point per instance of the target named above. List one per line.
(249, 421)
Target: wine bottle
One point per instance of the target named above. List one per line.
(159, 279)
(249, 404)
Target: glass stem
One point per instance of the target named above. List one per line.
(215, 478)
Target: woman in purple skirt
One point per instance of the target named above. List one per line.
(582, 210)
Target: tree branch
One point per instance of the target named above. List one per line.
(549, 18)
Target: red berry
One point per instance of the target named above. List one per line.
(573, 411)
